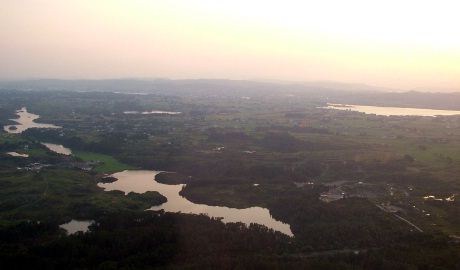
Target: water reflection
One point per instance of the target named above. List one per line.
(26, 121)
(75, 226)
(58, 148)
(141, 181)
(16, 154)
(388, 111)
(152, 112)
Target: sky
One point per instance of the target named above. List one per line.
(402, 44)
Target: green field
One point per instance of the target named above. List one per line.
(107, 163)
(283, 155)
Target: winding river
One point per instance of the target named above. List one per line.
(141, 181)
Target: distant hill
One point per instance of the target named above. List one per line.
(315, 91)
(197, 85)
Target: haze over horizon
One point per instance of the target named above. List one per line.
(382, 43)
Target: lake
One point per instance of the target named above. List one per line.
(75, 226)
(391, 111)
(16, 154)
(25, 121)
(141, 181)
(58, 148)
(152, 112)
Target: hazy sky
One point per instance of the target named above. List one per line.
(393, 43)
